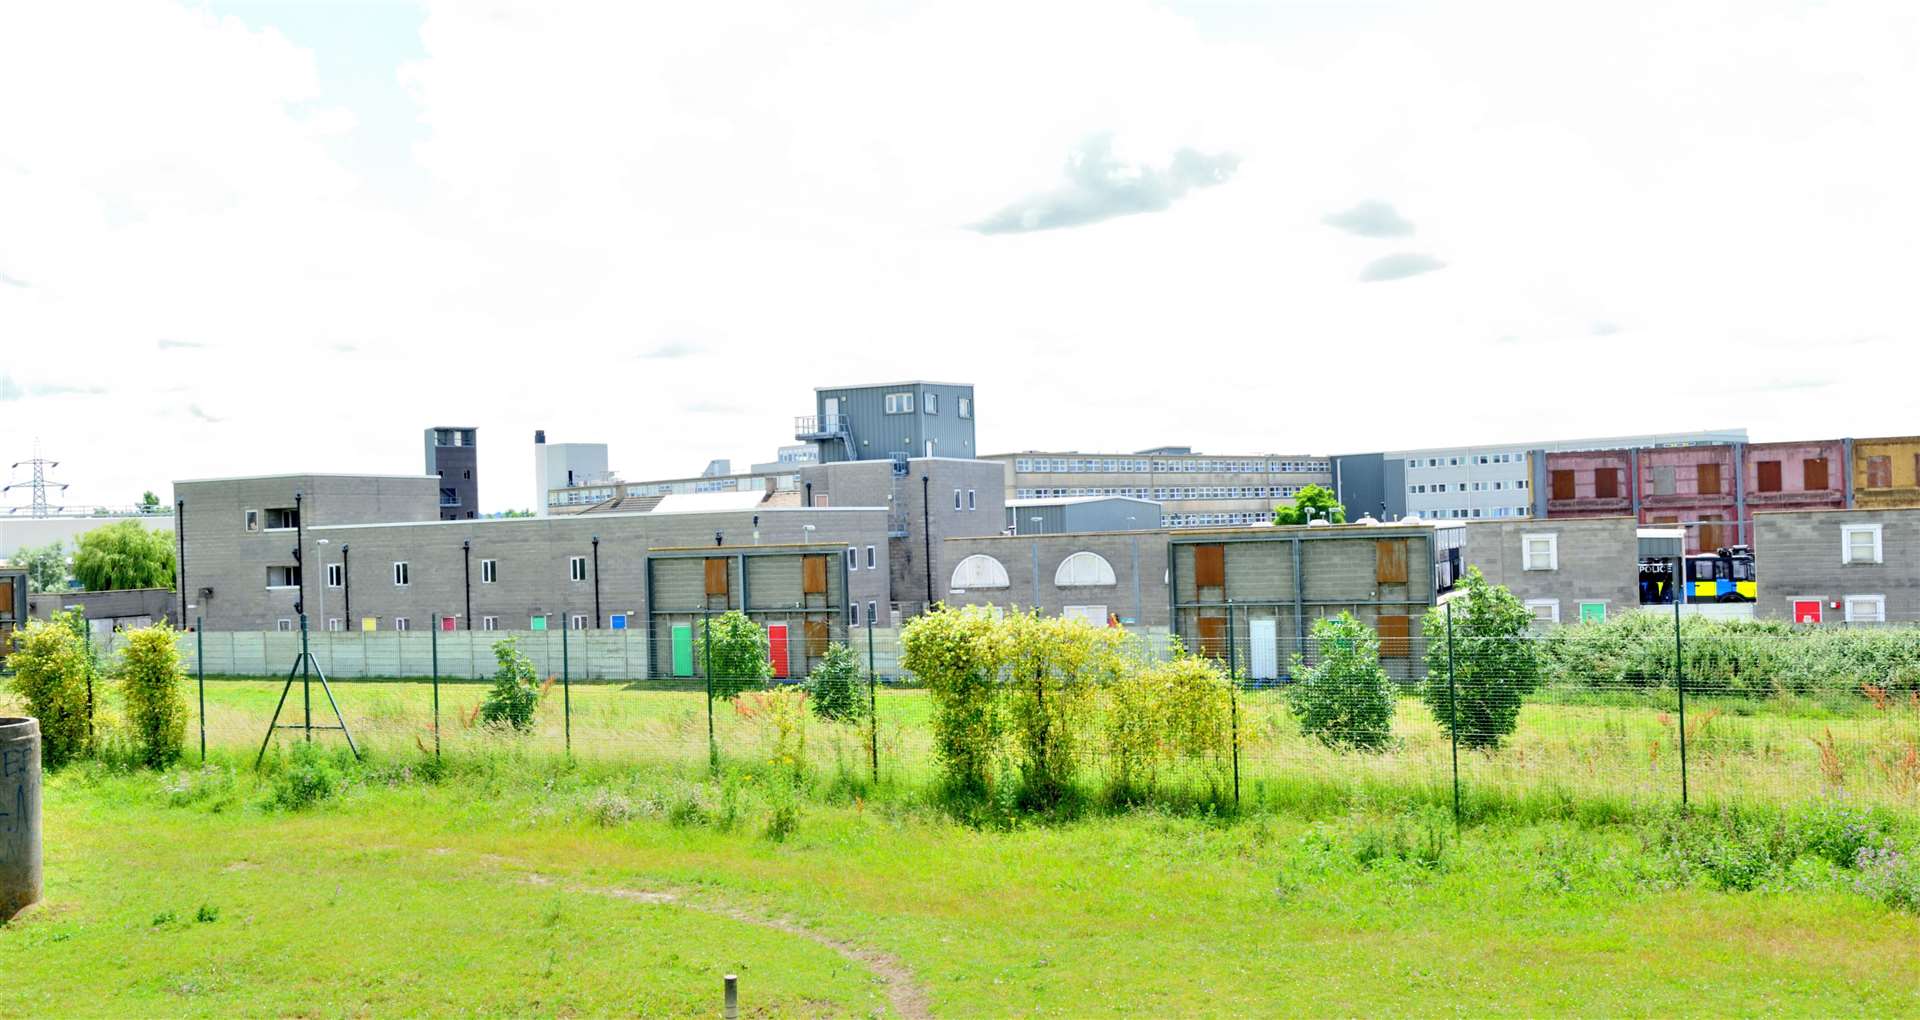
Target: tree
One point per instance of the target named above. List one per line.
(958, 653)
(1313, 502)
(833, 688)
(46, 566)
(1495, 662)
(733, 651)
(1344, 698)
(516, 688)
(153, 686)
(124, 555)
(50, 671)
(149, 503)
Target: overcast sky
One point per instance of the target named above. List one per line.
(247, 238)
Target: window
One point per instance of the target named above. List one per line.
(853, 558)
(284, 518)
(1813, 474)
(336, 575)
(400, 623)
(253, 520)
(1544, 610)
(899, 403)
(1563, 485)
(1879, 472)
(979, 571)
(872, 616)
(1707, 479)
(284, 624)
(1860, 543)
(402, 575)
(489, 571)
(1606, 483)
(870, 558)
(933, 403)
(577, 568)
(1413, 462)
(335, 623)
(966, 407)
(489, 623)
(972, 504)
(1082, 569)
(1768, 472)
(716, 576)
(579, 621)
(1866, 608)
(1540, 552)
(956, 499)
(853, 614)
(283, 577)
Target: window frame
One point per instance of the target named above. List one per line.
(1553, 604)
(872, 560)
(577, 621)
(336, 570)
(402, 573)
(577, 569)
(1526, 550)
(401, 623)
(1847, 531)
(930, 404)
(489, 623)
(853, 559)
(965, 407)
(1847, 603)
(283, 625)
(250, 521)
(489, 571)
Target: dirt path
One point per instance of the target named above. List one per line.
(907, 997)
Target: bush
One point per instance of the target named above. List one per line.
(516, 688)
(733, 652)
(51, 671)
(834, 687)
(1890, 876)
(1165, 712)
(1053, 667)
(1344, 698)
(152, 682)
(1493, 659)
(308, 778)
(958, 653)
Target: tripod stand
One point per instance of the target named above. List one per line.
(306, 667)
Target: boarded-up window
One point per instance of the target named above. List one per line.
(1390, 561)
(815, 630)
(1606, 483)
(1709, 533)
(1394, 642)
(1708, 476)
(1879, 472)
(1563, 485)
(1769, 475)
(1209, 566)
(1663, 480)
(716, 575)
(1813, 474)
(813, 575)
(1213, 635)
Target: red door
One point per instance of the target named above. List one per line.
(446, 623)
(777, 647)
(1806, 610)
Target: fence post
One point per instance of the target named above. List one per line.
(86, 629)
(706, 643)
(200, 661)
(1680, 687)
(873, 706)
(1453, 716)
(566, 687)
(436, 685)
(1233, 702)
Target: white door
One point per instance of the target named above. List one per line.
(1265, 638)
(1095, 615)
(830, 412)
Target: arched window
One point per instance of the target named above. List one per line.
(979, 571)
(1082, 569)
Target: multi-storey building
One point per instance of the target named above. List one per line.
(1885, 472)
(890, 421)
(453, 457)
(928, 500)
(1849, 567)
(581, 466)
(1193, 490)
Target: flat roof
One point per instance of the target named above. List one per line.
(1158, 453)
(883, 385)
(611, 515)
(297, 474)
(1068, 500)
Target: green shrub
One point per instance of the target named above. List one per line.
(51, 671)
(1493, 661)
(1053, 666)
(152, 684)
(1161, 713)
(516, 688)
(835, 688)
(308, 778)
(1344, 698)
(957, 654)
(1890, 876)
(732, 649)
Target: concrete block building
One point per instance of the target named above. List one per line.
(1564, 570)
(1098, 577)
(13, 607)
(1827, 567)
(453, 456)
(927, 500)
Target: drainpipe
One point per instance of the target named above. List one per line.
(1740, 495)
(466, 569)
(346, 582)
(926, 531)
(596, 582)
(1846, 467)
(180, 569)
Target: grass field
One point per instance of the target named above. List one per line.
(515, 883)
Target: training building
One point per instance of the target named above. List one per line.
(1582, 568)
(1839, 566)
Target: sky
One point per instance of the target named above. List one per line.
(247, 238)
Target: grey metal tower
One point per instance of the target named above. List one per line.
(38, 507)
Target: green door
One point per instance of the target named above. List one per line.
(683, 649)
(1593, 612)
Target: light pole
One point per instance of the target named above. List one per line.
(321, 549)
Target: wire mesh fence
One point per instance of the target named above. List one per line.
(1650, 710)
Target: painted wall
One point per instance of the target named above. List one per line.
(1900, 452)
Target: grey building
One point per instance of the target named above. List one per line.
(13, 607)
(1081, 514)
(928, 500)
(111, 610)
(1098, 577)
(1831, 567)
(890, 421)
(577, 466)
(1194, 490)
(453, 457)
(1584, 569)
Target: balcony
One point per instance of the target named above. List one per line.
(815, 428)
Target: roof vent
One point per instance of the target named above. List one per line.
(1367, 520)
(1319, 522)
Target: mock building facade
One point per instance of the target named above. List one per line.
(1829, 567)
(1565, 570)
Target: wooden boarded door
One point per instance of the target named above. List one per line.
(777, 649)
(1212, 632)
(1394, 641)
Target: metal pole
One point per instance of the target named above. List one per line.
(1233, 702)
(200, 663)
(731, 1007)
(1680, 686)
(436, 685)
(873, 706)
(1453, 716)
(306, 683)
(706, 640)
(566, 688)
(596, 584)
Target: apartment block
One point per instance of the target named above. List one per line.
(453, 457)
(1193, 490)
(1834, 567)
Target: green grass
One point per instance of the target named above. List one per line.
(490, 890)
